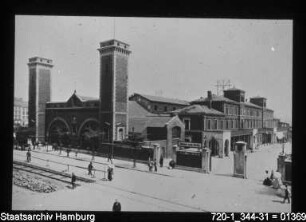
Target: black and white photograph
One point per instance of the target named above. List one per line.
(143, 114)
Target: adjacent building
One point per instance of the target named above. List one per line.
(220, 121)
(20, 112)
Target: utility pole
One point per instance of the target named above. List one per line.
(222, 85)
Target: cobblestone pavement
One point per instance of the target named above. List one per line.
(167, 190)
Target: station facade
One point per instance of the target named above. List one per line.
(216, 122)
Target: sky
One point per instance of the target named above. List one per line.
(172, 57)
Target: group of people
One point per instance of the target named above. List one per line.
(272, 180)
(276, 182)
(110, 170)
(151, 164)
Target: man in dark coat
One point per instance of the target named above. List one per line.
(116, 206)
(161, 161)
(29, 155)
(109, 173)
(155, 165)
(73, 179)
(287, 194)
(90, 169)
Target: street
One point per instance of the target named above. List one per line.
(167, 190)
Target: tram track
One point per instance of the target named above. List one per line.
(48, 173)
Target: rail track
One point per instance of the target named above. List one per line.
(52, 174)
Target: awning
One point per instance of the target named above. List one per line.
(265, 130)
(245, 132)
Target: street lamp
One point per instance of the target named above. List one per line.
(108, 125)
(134, 147)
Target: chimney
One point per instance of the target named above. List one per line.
(209, 96)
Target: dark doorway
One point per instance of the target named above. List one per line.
(226, 147)
(214, 147)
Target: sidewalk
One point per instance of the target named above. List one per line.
(78, 164)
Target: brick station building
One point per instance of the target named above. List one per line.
(215, 121)
(112, 114)
(79, 114)
(218, 122)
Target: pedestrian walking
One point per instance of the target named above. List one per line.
(29, 155)
(287, 194)
(155, 165)
(117, 206)
(161, 161)
(73, 179)
(110, 171)
(90, 167)
(109, 174)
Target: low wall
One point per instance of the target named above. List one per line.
(189, 159)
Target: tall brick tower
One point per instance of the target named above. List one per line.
(113, 112)
(39, 93)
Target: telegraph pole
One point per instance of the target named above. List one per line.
(222, 85)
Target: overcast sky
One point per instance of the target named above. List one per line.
(178, 58)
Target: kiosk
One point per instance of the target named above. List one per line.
(240, 159)
(206, 160)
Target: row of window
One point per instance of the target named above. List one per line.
(215, 124)
(20, 109)
(230, 110)
(250, 112)
(165, 108)
(62, 105)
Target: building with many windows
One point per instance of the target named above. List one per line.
(228, 119)
(20, 112)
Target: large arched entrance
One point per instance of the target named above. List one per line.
(58, 131)
(214, 147)
(226, 147)
(89, 134)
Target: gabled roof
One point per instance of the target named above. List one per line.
(215, 98)
(198, 109)
(136, 111)
(163, 99)
(85, 98)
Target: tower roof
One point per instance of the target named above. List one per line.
(40, 60)
(114, 45)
